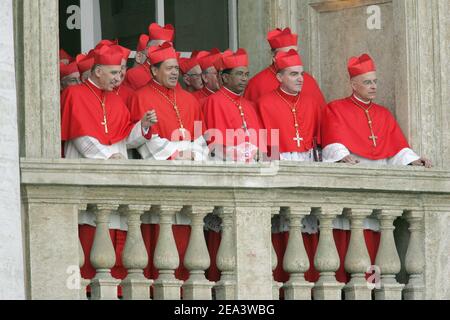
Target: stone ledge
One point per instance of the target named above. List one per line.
(140, 173)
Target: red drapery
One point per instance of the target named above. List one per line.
(150, 234)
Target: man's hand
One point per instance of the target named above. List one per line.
(350, 160)
(422, 162)
(117, 156)
(149, 119)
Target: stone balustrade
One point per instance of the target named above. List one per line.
(245, 197)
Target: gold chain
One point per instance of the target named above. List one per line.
(102, 103)
(241, 110)
(294, 113)
(369, 120)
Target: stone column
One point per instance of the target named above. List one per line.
(166, 258)
(357, 259)
(226, 257)
(37, 44)
(197, 259)
(387, 258)
(11, 256)
(52, 247)
(326, 260)
(296, 260)
(135, 258)
(253, 252)
(276, 286)
(103, 255)
(415, 257)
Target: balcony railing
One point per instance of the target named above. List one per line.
(245, 197)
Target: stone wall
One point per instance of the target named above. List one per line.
(11, 253)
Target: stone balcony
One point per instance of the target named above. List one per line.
(245, 197)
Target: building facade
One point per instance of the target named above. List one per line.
(42, 195)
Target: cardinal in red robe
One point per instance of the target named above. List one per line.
(296, 118)
(266, 81)
(355, 129)
(210, 63)
(232, 122)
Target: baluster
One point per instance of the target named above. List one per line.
(276, 286)
(103, 256)
(166, 257)
(326, 260)
(197, 259)
(226, 260)
(387, 258)
(357, 259)
(135, 258)
(415, 261)
(296, 261)
(83, 282)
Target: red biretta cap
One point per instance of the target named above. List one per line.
(64, 55)
(161, 53)
(187, 64)
(67, 69)
(166, 33)
(109, 56)
(85, 62)
(107, 43)
(288, 59)
(125, 51)
(232, 60)
(209, 60)
(360, 65)
(282, 38)
(142, 43)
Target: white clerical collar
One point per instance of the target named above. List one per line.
(93, 83)
(362, 101)
(209, 89)
(236, 94)
(289, 94)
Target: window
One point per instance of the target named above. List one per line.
(200, 24)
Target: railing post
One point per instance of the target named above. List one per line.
(276, 286)
(103, 256)
(326, 259)
(135, 258)
(357, 260)
(197, 259)
(166, 258)
(83, 282)
(226, 258)
(296, 261)
(387, 258)
(415, 262)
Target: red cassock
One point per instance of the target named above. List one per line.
(125, 93)
(345, 123)
(82, 115)
(266, 81)
(138, 76)
(201, 95)
(221, 112)
(155, 97)
(276, 113)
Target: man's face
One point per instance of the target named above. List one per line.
(211, 79)
(140, 57)
(194, 78)
(167, 74)
(291, 79)
(70, 80)
(108, 76)
(85, 75)
(365, 86)
(237, 80)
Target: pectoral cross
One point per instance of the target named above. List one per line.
(104, 123)
(374, 139)
(298, 139)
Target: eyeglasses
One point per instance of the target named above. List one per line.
(194, 75)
